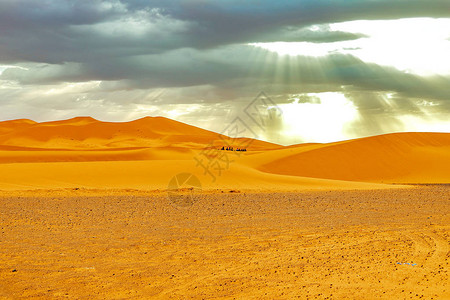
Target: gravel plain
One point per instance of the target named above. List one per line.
(390, 244)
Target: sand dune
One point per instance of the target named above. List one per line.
(155, 175)
(146, 153)
(14, 125)
(400, 157)
(88, 133)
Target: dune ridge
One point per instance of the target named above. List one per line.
(413, 157)
(89, 133)
(146, 153)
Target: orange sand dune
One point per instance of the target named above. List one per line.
(88, 133)
(399, 157)
(146, 153)
(13, 125)
(155, 174)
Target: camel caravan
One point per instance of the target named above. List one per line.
(232, 149)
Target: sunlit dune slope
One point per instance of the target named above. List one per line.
(153, 175)
(84, 133)
(14, 125)
(399, 157)
(147, 153)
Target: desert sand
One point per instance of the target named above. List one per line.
(146, 153)
(85, 213)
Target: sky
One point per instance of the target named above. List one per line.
(332, 70)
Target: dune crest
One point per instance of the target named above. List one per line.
(412, 157)
(88, 133)
(145, 153)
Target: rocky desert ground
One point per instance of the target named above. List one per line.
(360, 244)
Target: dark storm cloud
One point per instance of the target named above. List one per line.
(82, 31)
(151, 44)
(239, 68)
(85, 31)
(224, 22)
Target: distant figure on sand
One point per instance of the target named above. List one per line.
(232, 149)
